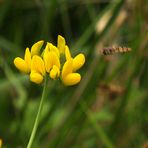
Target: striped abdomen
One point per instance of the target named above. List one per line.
(112, 50)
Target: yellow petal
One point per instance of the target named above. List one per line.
(54, 49)
(46, 50)
(55, 72)
(50, 59)
(35, 49)
(67, 68)
(36, 77)
(61, 44)
(37, 65)
(72, 79)
(67, 53)
(0, 143)
(21, 65)
(27, 57)
(47, 60)
(47, 46)
(78, 61)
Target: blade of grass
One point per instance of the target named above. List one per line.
(87, 78)
(100, 132)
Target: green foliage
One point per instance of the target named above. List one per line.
(109, 107)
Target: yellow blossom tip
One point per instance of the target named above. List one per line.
(36, 77)
(37, 65)
(27, 57)
(67, 67)
(78, 61)
(47, 46)
(54, 49)
(55, 72)
(72, 79)
(35, 49)
(46, 50)
(51, 59)
(21, 65)
(61, 44)
(67, 53)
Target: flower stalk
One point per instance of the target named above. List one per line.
(40, 63)
(38, 114)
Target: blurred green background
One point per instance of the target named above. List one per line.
(109, 108)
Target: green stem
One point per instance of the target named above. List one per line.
(38, 115)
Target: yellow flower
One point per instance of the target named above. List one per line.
(0, 143)
(37, 65)
(55, 72)
(51, 47)
(35, 49)
(61, 44)
(68, 77)
(78, 61)
(54, 49)
(52, 63)
(72, 65)
(24, 65)
(37, 69)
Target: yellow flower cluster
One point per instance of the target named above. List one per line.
(37, 63)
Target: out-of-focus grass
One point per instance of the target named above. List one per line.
(109, 107)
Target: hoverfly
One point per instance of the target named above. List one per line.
(112, 50)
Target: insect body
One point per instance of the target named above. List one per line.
(112, 50)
